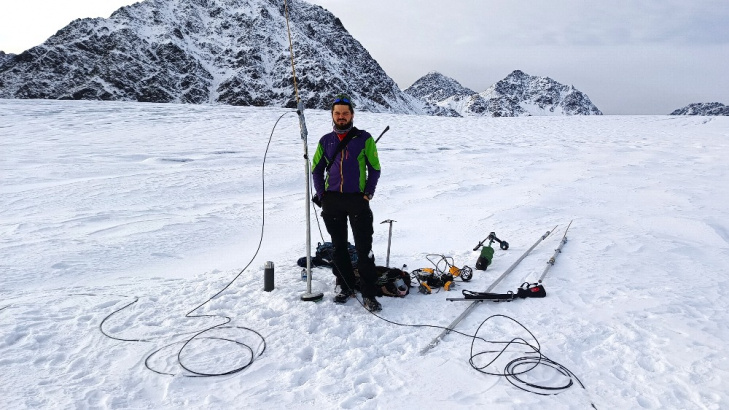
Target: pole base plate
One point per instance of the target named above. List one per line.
(312, 297)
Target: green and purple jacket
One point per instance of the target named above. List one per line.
(355, 169)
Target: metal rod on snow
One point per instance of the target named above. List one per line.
(468, 310)
(557, 251)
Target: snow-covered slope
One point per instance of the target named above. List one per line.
(197, 51)
(105, 203)
(712, 108)
(518, 94)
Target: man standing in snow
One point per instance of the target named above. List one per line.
(348, 157)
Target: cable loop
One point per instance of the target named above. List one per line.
(254, 352)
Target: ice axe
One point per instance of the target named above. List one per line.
(389, 239)
(383, 133)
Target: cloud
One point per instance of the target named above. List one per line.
(630, 23)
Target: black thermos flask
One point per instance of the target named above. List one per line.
(268, 277)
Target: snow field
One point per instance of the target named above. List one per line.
(102, 204)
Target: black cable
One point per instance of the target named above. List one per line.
(311, 194)
(101, 325)
(513, 369)
(254, 353)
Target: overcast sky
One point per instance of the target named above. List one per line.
(628, 56)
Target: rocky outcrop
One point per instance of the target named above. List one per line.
(712, 108)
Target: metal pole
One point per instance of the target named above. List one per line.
(308, 296)
(557, 251)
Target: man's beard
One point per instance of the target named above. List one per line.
(344, 127)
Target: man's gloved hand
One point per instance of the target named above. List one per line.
(316, 200)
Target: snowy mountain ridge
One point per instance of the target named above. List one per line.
(205, 51)
(518, 94)
(712, 108)
(236, 52)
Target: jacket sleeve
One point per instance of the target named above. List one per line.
(373, 165)
(318, 166)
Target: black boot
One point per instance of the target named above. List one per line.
(372, 304)
(344, 295)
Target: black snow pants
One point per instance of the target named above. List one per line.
(336, 208)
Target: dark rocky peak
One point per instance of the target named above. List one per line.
(517, 76)
(523, 94)
(712, 108)
(435, 87)
(206, 51)
(519, 85)
(518, 94)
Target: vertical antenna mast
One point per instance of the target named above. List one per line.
(308, 295)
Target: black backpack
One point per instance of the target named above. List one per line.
(324, 255)
(325, 252)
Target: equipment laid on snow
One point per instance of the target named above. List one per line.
(468, 310)
(393, 282)
(526, 290)
(557, 251)
(465, 273)
(434, 278)
(487, 253)
(324, 255)
(427, 280)
(390, 281)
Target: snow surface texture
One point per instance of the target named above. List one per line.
(517, 95)
(105, 202)
(712, 108)
(229, 51)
